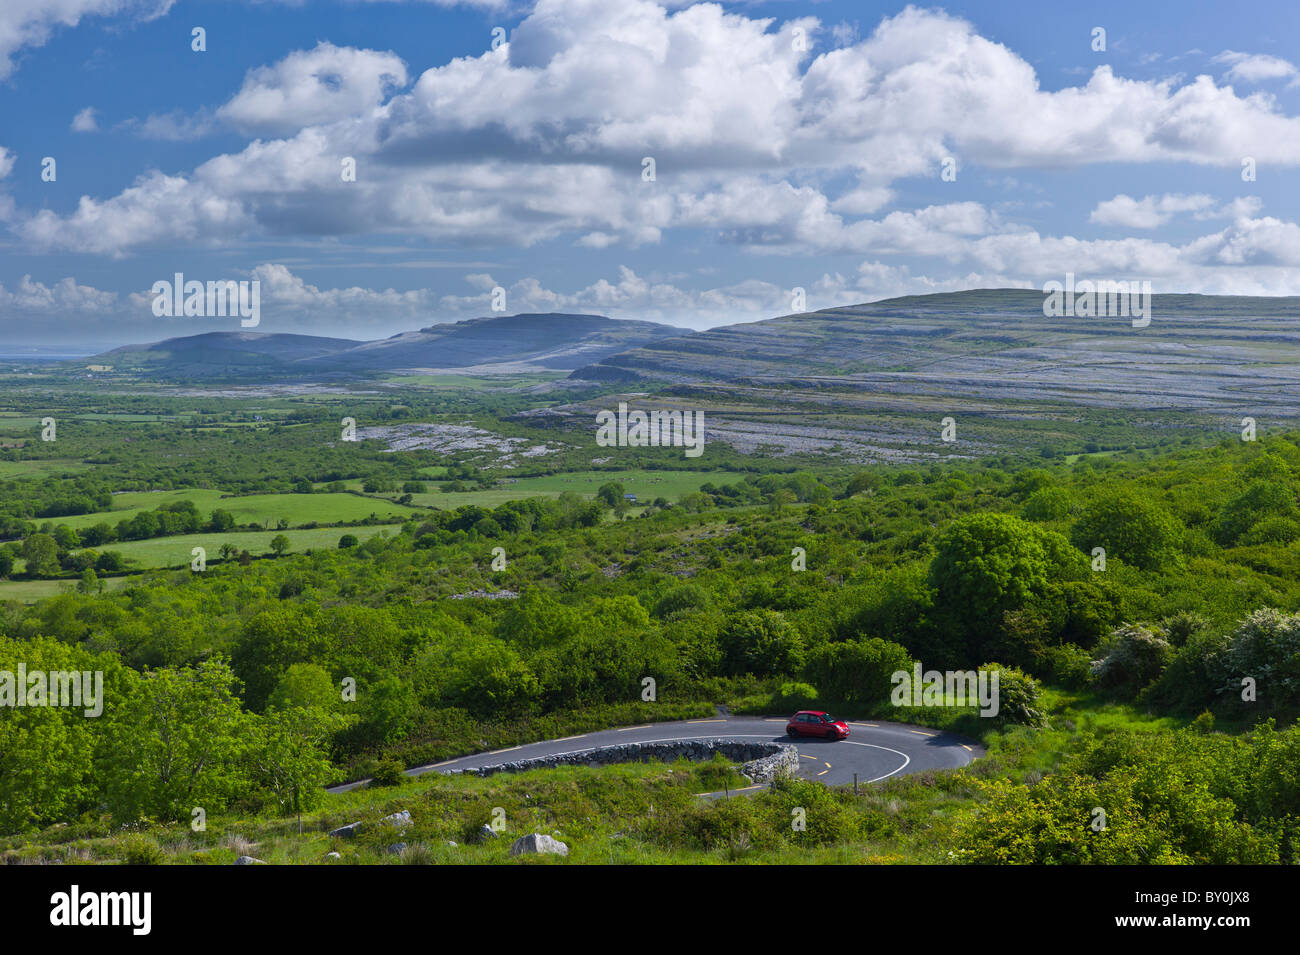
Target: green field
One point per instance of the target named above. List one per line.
(646, 485)
(30, 591)
(297, 509)
(477, 382)
(175, 551)
(41, 468)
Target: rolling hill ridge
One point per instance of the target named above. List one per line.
(551, 341)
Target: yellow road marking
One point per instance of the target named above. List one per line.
(828, 765)
(565, 739)
(823, 772)
(919, 733)
(706, 721)
(967, 748)
(803, 756)
(776, 721)
(644, 726)
(872, 725)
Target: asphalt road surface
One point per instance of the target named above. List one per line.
(874, 750)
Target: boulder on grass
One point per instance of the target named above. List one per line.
(535, 843)
(398, 820)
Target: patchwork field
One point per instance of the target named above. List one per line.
(30, 591)
(42, 468)
(645, 484)
(264, 509)
(175, 551)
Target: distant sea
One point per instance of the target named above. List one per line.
(42, 355)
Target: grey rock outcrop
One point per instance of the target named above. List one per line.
(763, 762)
(537, 843)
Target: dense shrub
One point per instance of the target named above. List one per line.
(1019, 697)
(856, 671)
(1048, 504)
(760, 642)
(1131, 658)
(1130, 528)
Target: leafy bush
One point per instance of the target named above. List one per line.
(1132, 657)
(795, 696)
(1048, 504)
(1130, 528)
(1266, 647)
(1260, 500)
(140, 849)
(1019, 701)
(760, 642)
(856, 671)
(1194, 677)
(986, 565)
(387, 772)
(1067, 665)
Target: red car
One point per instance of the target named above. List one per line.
(816, 723)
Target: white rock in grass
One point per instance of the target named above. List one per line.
(538, 844)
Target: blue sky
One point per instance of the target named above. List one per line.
(796, 145)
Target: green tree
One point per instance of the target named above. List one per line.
(1260, 501)
(288, 755)
(279, 544)
(611, 495)
(176, 743)
(761, 642)
(221, 521)
(47, 752)
(270, 643)
(856, 671)
(988, 564)
(1129, 527)
(305, 686)
(42, 555)
(388, 711)
(1048, 504)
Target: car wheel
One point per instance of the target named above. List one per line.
(791, 731)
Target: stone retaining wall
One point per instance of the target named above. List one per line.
(762, 762)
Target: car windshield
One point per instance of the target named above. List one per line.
(827, 718)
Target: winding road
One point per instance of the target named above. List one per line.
(874, 750)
